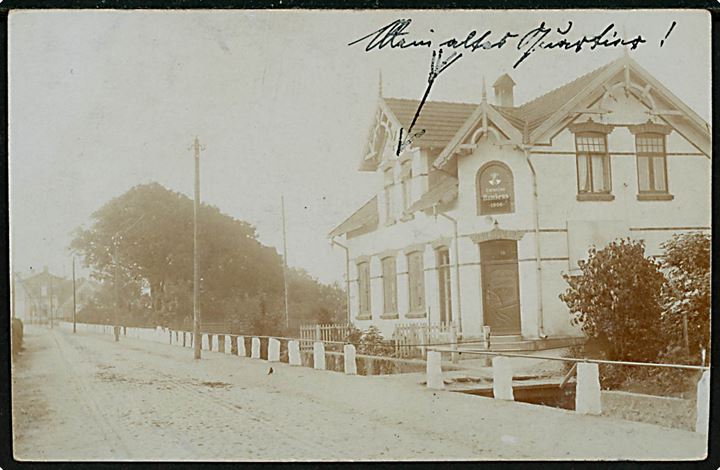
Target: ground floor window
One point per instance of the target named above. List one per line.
(417, 282)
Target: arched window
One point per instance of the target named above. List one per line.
(495, 189)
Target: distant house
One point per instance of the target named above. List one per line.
(85, 289)
(527, 189)
(39, 295)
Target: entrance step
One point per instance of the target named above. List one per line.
(515, 343)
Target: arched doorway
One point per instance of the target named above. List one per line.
(500, 286)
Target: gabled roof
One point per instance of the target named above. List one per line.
(535, 111)
(365, 217)
(443, 119)
(440, 119)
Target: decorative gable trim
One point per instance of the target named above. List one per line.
(484, 115)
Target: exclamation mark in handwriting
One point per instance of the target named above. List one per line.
(662, 41)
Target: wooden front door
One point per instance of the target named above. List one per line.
(500, 286)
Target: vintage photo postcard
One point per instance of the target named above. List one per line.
(360, 235)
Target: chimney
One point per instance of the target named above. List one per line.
(503, 87)
(45, 269)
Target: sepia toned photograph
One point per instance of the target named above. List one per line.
(359, 235)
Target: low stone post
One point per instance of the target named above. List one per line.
(228, 344)
(319, 355)
(587, 389)
(294, 353)
(434, 378)
(502, 378)
(702, 422)
(453, 345)
(241, 346)
(205, 341)
(349, 355)
(273, 350)
(255, 351)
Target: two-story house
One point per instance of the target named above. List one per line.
(476, 220)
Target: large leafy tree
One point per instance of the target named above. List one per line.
(687, 295)
(616, 299)
(151, 230)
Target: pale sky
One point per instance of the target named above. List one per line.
(103, 100)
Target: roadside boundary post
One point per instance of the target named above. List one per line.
(255, 351)
(319, 355)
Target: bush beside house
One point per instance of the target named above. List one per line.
(634, 308)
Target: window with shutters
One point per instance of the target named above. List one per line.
(416, 280)
(651, 163)
(363, 289)
(389, 274)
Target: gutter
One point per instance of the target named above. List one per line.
(536, 223)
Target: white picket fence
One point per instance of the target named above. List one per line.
(410, 338)
(325, 333)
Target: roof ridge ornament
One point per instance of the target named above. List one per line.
(484, 90)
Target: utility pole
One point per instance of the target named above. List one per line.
(285, 267)
(50, 299)
(196, 275)
(116, 326)
(74, 304)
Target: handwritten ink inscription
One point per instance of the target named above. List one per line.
(396, 35)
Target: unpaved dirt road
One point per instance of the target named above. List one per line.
(85, 397)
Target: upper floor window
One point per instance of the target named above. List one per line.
(593, 163)
(389, 274)
(495, 192)
(651, 163)
(363, 288)
(416, 280)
